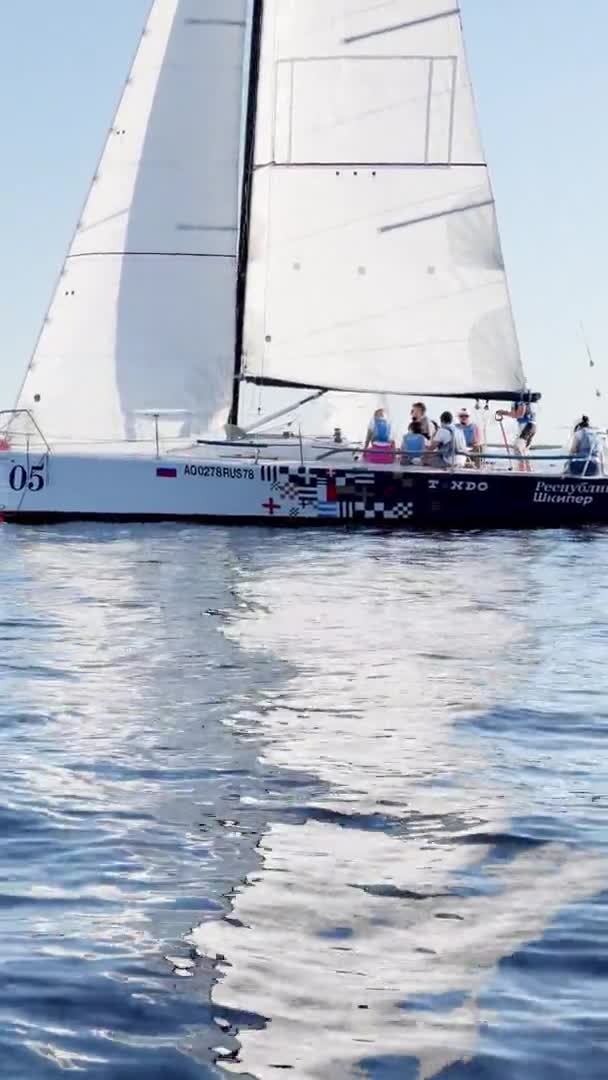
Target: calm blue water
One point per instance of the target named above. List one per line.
(326, 805)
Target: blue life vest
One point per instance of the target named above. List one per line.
(413, 443)
(529, 416)
(381, 430)
(469, 432)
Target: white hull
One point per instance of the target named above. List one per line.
(189, 485)
(236, 487)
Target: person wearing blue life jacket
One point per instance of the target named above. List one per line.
(523, 412)
(471, 432)
(586, 451)
(379, 447)
(414, 444)
(379, 430)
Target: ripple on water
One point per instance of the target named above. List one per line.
(450, 836)
(328, 805)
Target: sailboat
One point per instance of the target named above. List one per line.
(292, 218)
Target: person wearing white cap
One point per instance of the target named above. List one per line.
(471, 432)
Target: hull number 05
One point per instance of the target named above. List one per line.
(19, 478)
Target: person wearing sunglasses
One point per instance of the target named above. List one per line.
(471, 432)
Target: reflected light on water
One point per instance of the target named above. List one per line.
(377, 920)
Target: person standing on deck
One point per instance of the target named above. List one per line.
(471, 432)
(523, 413)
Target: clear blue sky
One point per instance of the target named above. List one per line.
(541, 81)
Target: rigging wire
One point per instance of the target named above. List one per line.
(590, 360)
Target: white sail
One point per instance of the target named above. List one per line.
(143, 316)
(374, 257)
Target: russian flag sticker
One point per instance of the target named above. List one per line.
(171, 473)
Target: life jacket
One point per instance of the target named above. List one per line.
(588, 443)
(381, 430)
(529, 416)
(460, 443)
(455, 447)
(587, 457)
(413, 443)
(469, 432)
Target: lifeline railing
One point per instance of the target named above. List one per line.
(8, 434)
(399, 456)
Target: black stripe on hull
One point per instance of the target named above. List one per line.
(346, 524)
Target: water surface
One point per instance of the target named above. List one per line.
(330, 804)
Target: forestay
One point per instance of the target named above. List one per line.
(375, 262)
(143, 316)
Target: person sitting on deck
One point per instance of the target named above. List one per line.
(523, 412)
(428, 427)
(414, 444)
(379, 446)
(471, 432)
(587, 451)
(449, 444)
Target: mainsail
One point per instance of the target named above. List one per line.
(374, 257)
(143, 316)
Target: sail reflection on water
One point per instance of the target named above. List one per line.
(373, 927)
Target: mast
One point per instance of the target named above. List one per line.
(248, 171)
